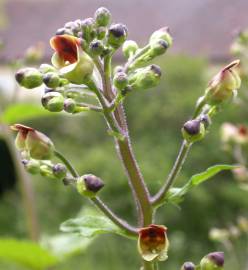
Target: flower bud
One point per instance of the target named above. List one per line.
(188, 266)
(32, 166)
(64, 31)
(153, 243)
(193, 130)
(117, 34)
(59, 170)
(102, 16)
(51, 79)
(118, 69)
(213, 261)
(88, 28)
(88, 185)
(45, 68)
(158, 47)
(37, 144)
(96, 47)
(120, 80)
(69, 105)
(46, 171)
(163, 34)
(53, 101)
(29, 77)
(223, 85)
(144, 78)
(129, 48)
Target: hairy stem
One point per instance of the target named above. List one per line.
(159, 197)
(129, 230)
(117, 123)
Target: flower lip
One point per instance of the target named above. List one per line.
(22, 128)
(233, 64)
(153, 242)
(66, 47)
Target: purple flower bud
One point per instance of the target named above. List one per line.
(93, 183)
(188, 266)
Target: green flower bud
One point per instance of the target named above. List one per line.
(53, 101)
(88, 185)
(223, 85)
(32, 166)
(69, 105)
(193, 130)
(59, 170)
(96, 47)
(129, 48)
(144, 78)
(158, 47)
(56, 104)
(45, 68)
(88, 28)
(117, 34)
(163, 34)
(213, 261)
(51, 79)
(29, 77)
(46, 171)
(120, 80)
(188, 266)
(39, 145)
(101, 32)
(102, 16)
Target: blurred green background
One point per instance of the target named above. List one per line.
(155, 119)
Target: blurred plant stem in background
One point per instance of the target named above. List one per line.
(25, 184)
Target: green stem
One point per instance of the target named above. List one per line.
(67, 163)
(159, 197)
(128, 229)
(135, 177)
(136, 56)
(148, 265)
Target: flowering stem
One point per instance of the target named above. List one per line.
(136, 181)
(128, 229)
(67, 164)
(132, 60)
(159, 197)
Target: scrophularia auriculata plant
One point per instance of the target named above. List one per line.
(81, 66)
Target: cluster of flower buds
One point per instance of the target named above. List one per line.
(79, 46)
(153, 243)
(195, 129)
(37, 150)
(212, 261)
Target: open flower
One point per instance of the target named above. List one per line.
(221, 87)
(37, 144)
(153, 243)
(74, 64)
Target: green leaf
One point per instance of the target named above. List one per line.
(90, 226)
(66, 245)
(176, 194)
(26, 253)
(21, 112)
(210, 172)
